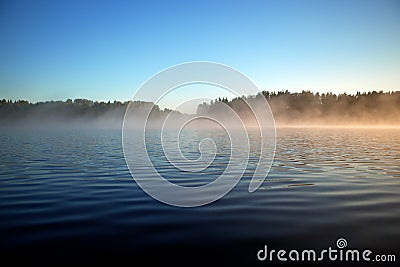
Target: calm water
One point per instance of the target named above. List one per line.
(67, 196)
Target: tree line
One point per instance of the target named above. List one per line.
(314, 108)
(288, 108)
(78, 110)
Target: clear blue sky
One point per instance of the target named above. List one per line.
(104, 50)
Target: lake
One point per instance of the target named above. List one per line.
(67, 196)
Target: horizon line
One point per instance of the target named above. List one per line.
(274, 92)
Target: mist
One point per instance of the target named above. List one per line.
(81, 113)
(288, 109)
(309, 109)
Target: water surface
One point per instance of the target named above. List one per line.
(67, 196)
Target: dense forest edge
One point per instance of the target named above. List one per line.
(304, 108)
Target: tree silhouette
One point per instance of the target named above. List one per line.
(288, 108)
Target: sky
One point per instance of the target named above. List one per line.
(105, 50)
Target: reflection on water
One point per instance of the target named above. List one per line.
(69, 195)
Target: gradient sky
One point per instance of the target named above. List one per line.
(104, 50)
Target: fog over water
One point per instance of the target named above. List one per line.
(66, 190)
(289, 109)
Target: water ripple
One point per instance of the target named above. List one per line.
(69, 190)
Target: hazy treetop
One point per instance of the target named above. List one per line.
(305, 108)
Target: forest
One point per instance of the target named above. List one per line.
(307, 108)
(304, 108)
(78, 112)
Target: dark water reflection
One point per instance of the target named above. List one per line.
(67, 196)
